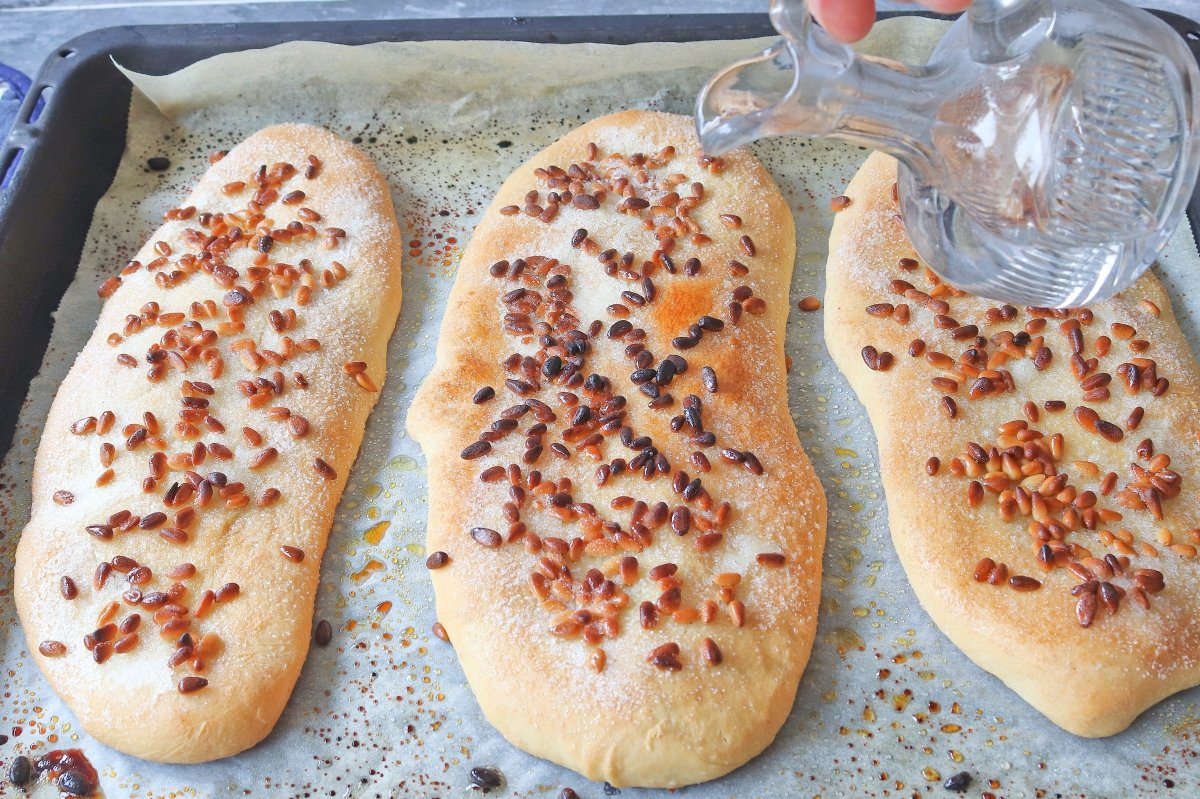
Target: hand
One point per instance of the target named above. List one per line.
(850, 20)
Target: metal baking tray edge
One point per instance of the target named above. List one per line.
(62, 152)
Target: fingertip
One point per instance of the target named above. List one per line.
(845, 20)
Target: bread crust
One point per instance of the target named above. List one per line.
(1090, 681)
(131, 702)
(631, 724)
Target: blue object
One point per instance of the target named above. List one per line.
(13, 87)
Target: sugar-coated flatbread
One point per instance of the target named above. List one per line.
(1053, 535)
(211, 420)
(548, 567)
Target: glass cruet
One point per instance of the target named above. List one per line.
(1047, 150)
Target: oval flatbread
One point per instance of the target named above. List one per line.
(195, 453)
(626, 535)
(1039, 466)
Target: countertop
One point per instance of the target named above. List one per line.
(30, 29)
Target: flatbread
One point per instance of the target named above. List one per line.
(1089, 643)
(207, 665)
(588, 697)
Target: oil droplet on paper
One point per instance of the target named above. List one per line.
(370, 566)
(844, 639)
(404, 463)
(374, 533)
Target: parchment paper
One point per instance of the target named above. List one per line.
(887, 707)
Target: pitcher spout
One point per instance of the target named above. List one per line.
(776, 92)
(807, 84)
(745, 101)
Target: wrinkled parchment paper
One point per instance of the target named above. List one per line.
(887, 707)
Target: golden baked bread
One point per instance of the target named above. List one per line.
(1038, 466)
(625, 533)
(194, 455)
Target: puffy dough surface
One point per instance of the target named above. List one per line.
(1091, 680)
(587, 697)
(249, 647)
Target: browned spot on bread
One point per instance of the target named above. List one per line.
(680, 303)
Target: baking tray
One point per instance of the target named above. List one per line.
(70, 152)
(63, 150)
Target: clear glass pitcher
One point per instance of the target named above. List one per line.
(1047, 150)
